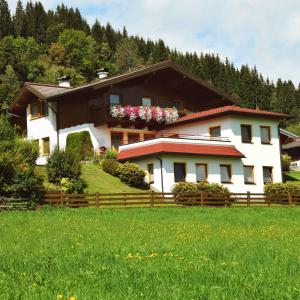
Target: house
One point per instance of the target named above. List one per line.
(173, 124)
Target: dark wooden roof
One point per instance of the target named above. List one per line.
(50, 92)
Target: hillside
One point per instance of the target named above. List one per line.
(98, 180)
(60, 42)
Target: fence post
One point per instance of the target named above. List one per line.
(290, 199)
(201, 199)
(248, 199)
(151, 199)
(61, 197)
(97, 200)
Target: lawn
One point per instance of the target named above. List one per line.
(98, 180)
(292, 176)
(171, 253)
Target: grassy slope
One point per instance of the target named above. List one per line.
(292, 176)
(98, 180)
(173, 253)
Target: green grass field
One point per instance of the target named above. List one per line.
(98, 180)
(292, 176)
(170, 253)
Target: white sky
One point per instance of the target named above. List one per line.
(263, 33)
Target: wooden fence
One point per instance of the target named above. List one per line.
(153, 199)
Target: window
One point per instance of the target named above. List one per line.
(150, 173)
(201, 172)
(147, 101)
(45, 146)
(38, 110)
(114, 99)
(246, 133)
(133, 138)
(267, 173)
(265, 134)
(225, 171)
(116, 139)
(179, 172)
(248, 174)
(215, 131)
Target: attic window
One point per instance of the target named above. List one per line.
(147, 101)
(114, 99)
(38, 110)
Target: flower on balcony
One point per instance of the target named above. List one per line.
(145, 113)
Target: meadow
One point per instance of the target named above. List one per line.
(167, 253)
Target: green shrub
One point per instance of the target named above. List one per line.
(72, 186)
(80, 143)
(132, 175)
(184, 187)
(111, 166)
(29, 151)
(213, 188)
(110, 154)
(279, 191)
(286, 162)
(63, 164)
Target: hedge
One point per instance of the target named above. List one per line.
(280, 191)
(132, 175)
(110, 166)
(81, 143)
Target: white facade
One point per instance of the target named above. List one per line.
(256, 154)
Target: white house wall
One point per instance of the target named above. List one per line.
(40, 128)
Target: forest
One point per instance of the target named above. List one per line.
(39, 46)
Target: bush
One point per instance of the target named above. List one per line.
(111, 154)
(279, 191)
(286, 162)
(215, 190)
(72, 186)
(28, 151)
(80, 143)
(132, 175)
(111, 166)
(63, 164)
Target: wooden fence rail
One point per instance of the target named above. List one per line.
(154, 199)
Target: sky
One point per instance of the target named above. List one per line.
(265, 33)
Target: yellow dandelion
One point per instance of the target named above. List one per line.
(59, 297)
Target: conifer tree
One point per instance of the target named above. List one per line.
(19, 19)
(6, 27)
(97, 32)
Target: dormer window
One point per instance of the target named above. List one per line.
(114, 99)
(38, 110)
(147, 101)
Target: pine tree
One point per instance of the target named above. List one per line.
(9, 87)
(6, 27)
(97, 32)
(19, 19)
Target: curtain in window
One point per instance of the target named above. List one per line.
(264, 134)
(248, 174)
(200, 172)
(225, 173)
(267, 172)
(246, 134)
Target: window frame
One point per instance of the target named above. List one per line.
(41, 111)
(251, 133)
(206, 171)
(119, 133)
(181, 163)
(230, 173)
(269, 167)
(43, 146)
(212, 128)
(252, 173)
(269, 132)
(150, 174)
(147, 97)
(115, 94)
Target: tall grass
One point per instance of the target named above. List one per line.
(190, 253)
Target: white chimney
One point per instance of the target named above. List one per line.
(64, 81)
(102, 73)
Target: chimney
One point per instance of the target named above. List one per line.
(64, 81)
(102, 73)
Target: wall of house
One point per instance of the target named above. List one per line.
(40, 128)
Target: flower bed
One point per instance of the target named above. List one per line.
(145, 113)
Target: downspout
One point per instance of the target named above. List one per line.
(161, 174)
(280, 150)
